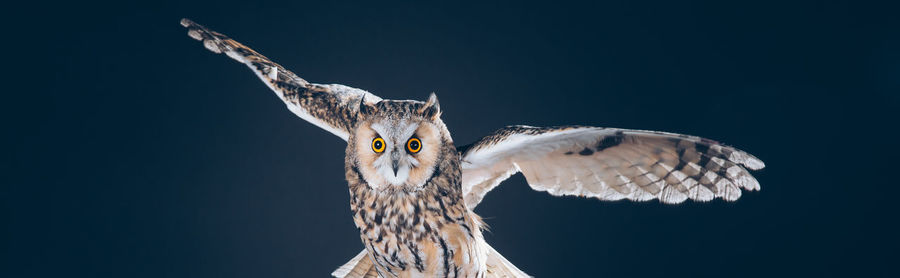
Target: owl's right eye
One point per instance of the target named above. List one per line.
(378, 145)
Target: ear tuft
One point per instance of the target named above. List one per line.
(431, 109)
(364, 107)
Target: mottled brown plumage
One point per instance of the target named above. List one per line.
(414, 228)
(412, 192)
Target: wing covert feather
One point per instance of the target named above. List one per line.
(608, 163)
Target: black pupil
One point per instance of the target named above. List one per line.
(414, 145)
(377, 144)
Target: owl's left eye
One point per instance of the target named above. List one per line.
(414, 145)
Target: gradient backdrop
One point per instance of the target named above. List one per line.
(131, 151)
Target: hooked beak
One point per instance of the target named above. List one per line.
(395, 164)
(395, 161)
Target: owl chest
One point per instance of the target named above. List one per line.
(413, 236)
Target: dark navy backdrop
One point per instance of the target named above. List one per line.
(131, 151)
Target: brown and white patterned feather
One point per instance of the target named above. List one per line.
(332, 107)
(360, 266)
(608, 163)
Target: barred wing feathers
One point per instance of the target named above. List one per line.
(608, 164)
(332, 107)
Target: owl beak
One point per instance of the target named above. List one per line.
(395, 160)
(395, 164)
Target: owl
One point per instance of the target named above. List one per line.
(412, 190)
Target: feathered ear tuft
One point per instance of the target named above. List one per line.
(364, 107)
(431, 109)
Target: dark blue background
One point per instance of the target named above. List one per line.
(131, 151)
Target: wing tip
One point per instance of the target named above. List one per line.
(200, 33)
(747, 160)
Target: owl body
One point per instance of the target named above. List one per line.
(418, 229)
(412, 191)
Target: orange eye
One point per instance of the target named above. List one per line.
(414, 145)
(378, 145)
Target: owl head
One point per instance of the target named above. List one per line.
(398, 143)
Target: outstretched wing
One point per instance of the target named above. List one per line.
(607, 163)
(332, 107)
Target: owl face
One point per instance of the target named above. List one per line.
(397, 143)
